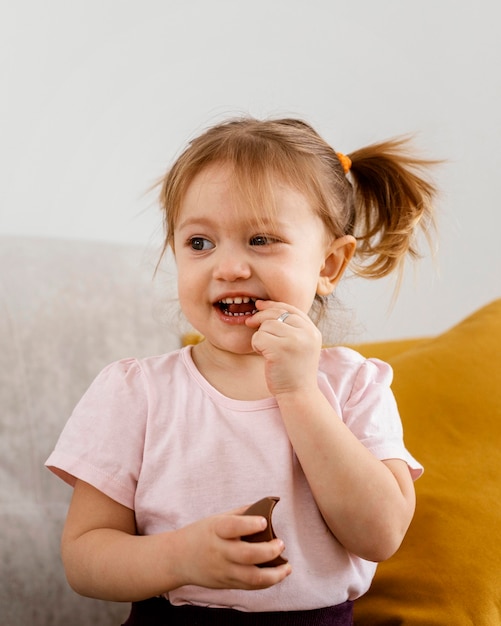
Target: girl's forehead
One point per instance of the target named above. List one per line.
(220, 186)
(226, 174)
(260, 190)
(213, 173)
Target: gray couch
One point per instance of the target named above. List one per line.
(67, 309)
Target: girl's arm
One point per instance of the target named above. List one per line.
(105, 558)
(368, 504)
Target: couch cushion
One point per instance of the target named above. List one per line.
(448, 569)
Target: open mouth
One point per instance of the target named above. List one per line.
(237, 307)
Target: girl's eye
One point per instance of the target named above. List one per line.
(262, 240)
(200, 243)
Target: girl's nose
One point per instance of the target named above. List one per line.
(231, 266)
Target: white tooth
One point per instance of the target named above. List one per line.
(237, 300)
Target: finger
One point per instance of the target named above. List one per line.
(236, 526)
(270, 310)
(252, 577)
(280, 316)
(256, 553)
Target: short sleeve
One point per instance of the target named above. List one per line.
(371, 413)
(103, 440)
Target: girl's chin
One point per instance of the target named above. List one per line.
(227, 344)
(228, 333)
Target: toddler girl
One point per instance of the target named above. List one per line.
(166, 453)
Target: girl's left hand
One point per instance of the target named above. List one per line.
(291, 348)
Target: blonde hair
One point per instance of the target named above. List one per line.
(383, 200)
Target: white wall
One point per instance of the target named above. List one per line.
(98, 96)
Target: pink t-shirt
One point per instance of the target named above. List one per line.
(155, 436)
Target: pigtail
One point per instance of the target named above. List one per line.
(391, 202)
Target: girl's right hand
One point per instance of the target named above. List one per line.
(215, 556)
(105, 558)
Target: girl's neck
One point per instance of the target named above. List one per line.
(236, 376)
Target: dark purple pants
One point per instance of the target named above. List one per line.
(159, 612)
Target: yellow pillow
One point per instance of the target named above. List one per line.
(448, 569)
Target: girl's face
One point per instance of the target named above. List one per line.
(226, 260)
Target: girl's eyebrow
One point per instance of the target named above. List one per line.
(199, 221)
(207, 221)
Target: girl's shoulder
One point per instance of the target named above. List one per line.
(129, 379)
(346, 367)
(149, 365)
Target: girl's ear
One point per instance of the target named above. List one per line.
(338, 255)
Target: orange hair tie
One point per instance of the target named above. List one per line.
(345, 161)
